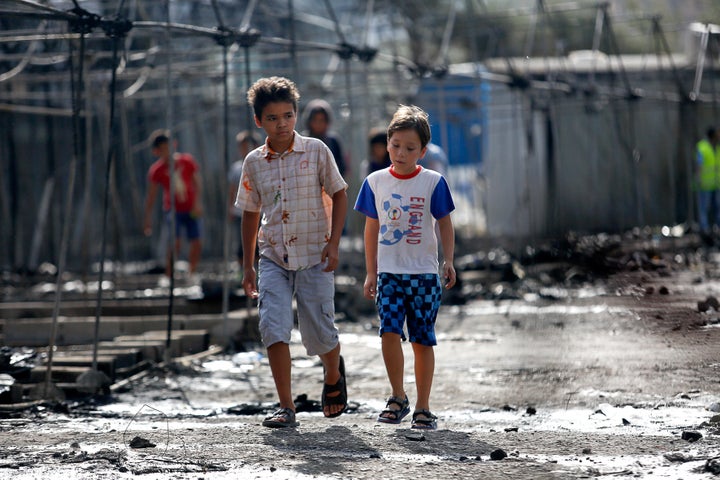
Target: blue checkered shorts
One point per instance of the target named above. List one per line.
(412, 296)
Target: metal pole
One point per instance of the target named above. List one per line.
(171, 171)
(700, 63)
(65, 236)
(293, 44)
(248, 113)
(226, 226)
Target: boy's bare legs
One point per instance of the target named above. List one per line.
(331, 362)
(168, 261)
(424, 370)
(194, 254)
(169, 258)
(280, 365)
(394, 362)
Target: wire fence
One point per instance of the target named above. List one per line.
(533, 151)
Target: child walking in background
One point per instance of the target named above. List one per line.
(318, 121)
(246, 142)
(402, 204)
(188, 199)
(378, 156)
(294, 183)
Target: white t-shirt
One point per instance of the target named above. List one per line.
(407, 207)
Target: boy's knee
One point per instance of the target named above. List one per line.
(391, 337)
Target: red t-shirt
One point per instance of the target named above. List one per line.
(185, 190)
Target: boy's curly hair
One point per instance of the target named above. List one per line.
(272, 89)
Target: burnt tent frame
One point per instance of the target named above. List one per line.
(82, 25)
(530, 94)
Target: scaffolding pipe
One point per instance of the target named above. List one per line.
(293, 49)
(702, 52)
(58, 14)
(65, 238)
(108, 169)
(226, 216)
(171, 170)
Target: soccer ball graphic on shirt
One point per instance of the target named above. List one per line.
(390, 230)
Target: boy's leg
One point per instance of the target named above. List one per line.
(394, 362)
(390, 302)
(276, 322)
(391, 310)
(331, 364)
(192, 228)
(427, 291)
(280, 365)
(194, 254)
(424, 371)
(314, 293)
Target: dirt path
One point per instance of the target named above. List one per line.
(602, 382)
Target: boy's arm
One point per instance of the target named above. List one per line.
(447, 239)
(249, 230)
(149, 203)
(331, 251)
(232, 196)
(372, 228)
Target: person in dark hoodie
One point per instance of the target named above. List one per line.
(378, 156)
(318, 119)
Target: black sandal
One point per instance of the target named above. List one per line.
(341, 398)
(427, 423)
(392, 415)
(281, 418)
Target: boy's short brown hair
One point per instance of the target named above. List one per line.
(272, 89)
(411, 117)
(159, 137)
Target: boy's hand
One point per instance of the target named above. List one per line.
(449, 274)
(196, 211)
(330, 255)
(248, 283)
(370, 287)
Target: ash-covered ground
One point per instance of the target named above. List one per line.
(594, 357)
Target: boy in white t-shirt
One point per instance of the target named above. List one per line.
(402, 204)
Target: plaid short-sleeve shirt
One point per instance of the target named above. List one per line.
(292, 190)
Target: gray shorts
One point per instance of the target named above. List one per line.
(314, 292)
